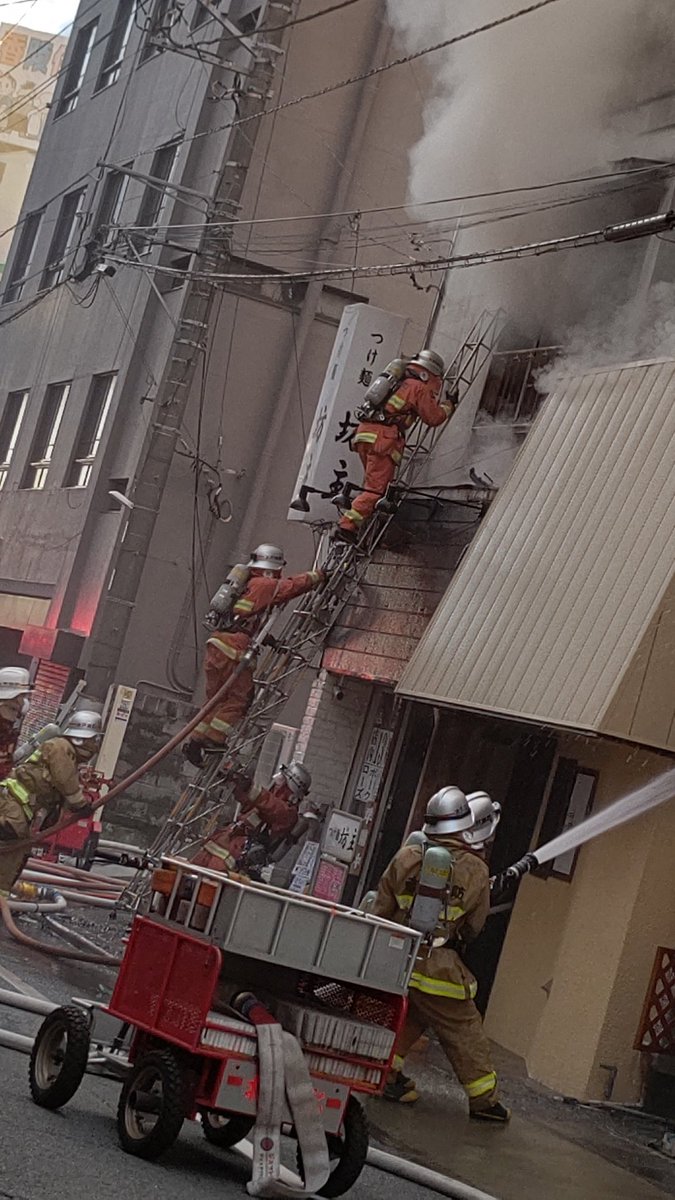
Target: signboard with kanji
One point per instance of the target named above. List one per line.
(341, 835)
(368, 338)
(329, 881)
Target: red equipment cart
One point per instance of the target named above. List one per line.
(212, 949)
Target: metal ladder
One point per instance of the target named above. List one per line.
(296, 646)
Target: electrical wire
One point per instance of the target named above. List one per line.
(371, 74)
(442, 263)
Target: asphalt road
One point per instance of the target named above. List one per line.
(74, 1155)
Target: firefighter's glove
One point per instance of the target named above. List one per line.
(502, 888)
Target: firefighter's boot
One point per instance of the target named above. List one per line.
(400, 1089)
(497, 1113)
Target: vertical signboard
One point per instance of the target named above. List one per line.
(368, 338)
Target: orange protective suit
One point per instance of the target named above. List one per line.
(267, 814)
(224, 650)
(380, 444)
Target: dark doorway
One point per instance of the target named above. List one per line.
(510, 760)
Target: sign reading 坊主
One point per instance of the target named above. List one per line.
(368, 338)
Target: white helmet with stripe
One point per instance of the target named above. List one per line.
(486, 817)
(83, 725)
(267, 558)
(447, 812)
(14, 681)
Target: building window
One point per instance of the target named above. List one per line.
(23, 257)
(154, 196)
(77, 68)
(112, 198)
(63, 241)
(163, 17)
(116, 46)
(46, 433)
(10, 428)
(245, 14)
(570, 802)
(201, 14)
(91, 430)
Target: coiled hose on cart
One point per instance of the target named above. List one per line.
(103, 897)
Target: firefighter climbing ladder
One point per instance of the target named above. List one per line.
(295, 646)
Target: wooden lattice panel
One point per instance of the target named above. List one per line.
(656, 1033)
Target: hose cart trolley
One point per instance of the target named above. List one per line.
(246, 1007)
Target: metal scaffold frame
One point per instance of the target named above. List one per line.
(295, 646)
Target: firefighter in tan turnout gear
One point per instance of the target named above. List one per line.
(436, 884)
(47, 781)
(15, 692)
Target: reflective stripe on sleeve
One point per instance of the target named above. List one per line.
(352, 515)
(370, 438)
(396, 402)
(244, 606)
(405, 900)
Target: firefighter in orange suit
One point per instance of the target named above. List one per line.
(14, 699)
(380, 443)
(267, 816)
(442, 988)
(227, 645)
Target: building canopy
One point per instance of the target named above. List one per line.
(563, 610)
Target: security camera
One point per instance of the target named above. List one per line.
(338, 692)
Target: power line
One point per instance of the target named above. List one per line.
(443, 263)
(372, 73)
(414, 204)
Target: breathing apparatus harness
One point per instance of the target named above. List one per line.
(432, 890)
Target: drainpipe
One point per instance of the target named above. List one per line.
(328, 238)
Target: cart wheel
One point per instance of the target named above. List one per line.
(151, 1109)
(226, 1132)
(347, 1151)
(59, 1057)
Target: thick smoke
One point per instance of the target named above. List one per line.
(550, 96)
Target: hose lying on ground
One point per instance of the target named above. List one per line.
(100, 959)
(70, 819)
(124, 784)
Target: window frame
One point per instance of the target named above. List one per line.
(45, 437)
(10, 429)
(147, 223)
(55, 268)
(108, 213)
(561, 813)
(23, 256)
(77, 69)
(116, 47)
(149, 49)
(90, 432)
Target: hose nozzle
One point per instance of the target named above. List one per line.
(523, 867)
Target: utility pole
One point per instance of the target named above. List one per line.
(189, 344)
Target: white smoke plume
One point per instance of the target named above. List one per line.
(550, 96)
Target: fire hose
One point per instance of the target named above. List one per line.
(102, 958)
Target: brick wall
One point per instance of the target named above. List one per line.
(330, 732)
(136, 815)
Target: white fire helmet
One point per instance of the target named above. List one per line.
(447, 812)
(14, 681)
(83, 725)
(297, 777)
(430, 361)
(486, 816)
(267, 558)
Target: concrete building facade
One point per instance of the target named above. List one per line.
(30, 62)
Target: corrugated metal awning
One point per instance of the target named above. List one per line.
(559, 609)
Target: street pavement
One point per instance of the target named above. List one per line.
(74, 1154)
